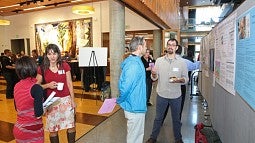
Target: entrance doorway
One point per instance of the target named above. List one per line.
(18, 45)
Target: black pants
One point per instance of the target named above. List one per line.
(11, 79)
(183, 89)
(148, 88)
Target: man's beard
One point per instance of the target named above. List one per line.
(170, 52)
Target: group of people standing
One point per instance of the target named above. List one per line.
(139, 70)
(29, 96)
(170, 71)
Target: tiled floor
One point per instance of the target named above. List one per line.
(113, 130)
(95, 128)
(87, 117)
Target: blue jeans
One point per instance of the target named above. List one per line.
(161, 106)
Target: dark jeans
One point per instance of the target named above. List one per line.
(148, 88)
(183, 89)
(11, 79)
(161, 107)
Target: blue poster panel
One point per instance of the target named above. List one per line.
(245, 57)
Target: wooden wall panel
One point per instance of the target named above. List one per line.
(167, 10)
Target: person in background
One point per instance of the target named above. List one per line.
(22, 54)
(36, 57)
(170, 71)
(183, 86)
(19, 55)
(28, 97)
(77, 55)
(190, 66)
(132, 87)
(56, 72)
(2, 54)
(66, 57)
(148, 65)
(189, 57)
(8, 72)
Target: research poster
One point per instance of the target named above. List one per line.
(245, 56)
(225, 53)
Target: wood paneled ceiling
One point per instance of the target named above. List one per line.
(195, 2)
(12, 7)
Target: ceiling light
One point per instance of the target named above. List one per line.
(83, 10)
(9, 6)
(76, 0)
(4, 22)
(33, 8)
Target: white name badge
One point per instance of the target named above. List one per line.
(175, 69)
(61, 72)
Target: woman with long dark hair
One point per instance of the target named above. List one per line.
(53, 73)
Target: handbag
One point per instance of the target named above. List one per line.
(199, 136)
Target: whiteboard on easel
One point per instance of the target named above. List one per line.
(89, 56)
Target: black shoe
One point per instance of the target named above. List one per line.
(7, 97)
(150, 140)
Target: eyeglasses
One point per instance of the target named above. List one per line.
(169, 45)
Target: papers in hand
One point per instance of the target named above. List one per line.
(50, 100)
(107, 106)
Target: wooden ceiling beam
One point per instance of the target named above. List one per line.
(144, 11)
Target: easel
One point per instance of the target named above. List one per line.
(94, 58)
(93, 62)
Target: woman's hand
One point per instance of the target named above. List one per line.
(74, 105)
(52, 85)
(154, 72)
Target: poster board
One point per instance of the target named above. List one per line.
(245, 66)
(92, 56)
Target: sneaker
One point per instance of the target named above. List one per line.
(149, 104)
(150, 140)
